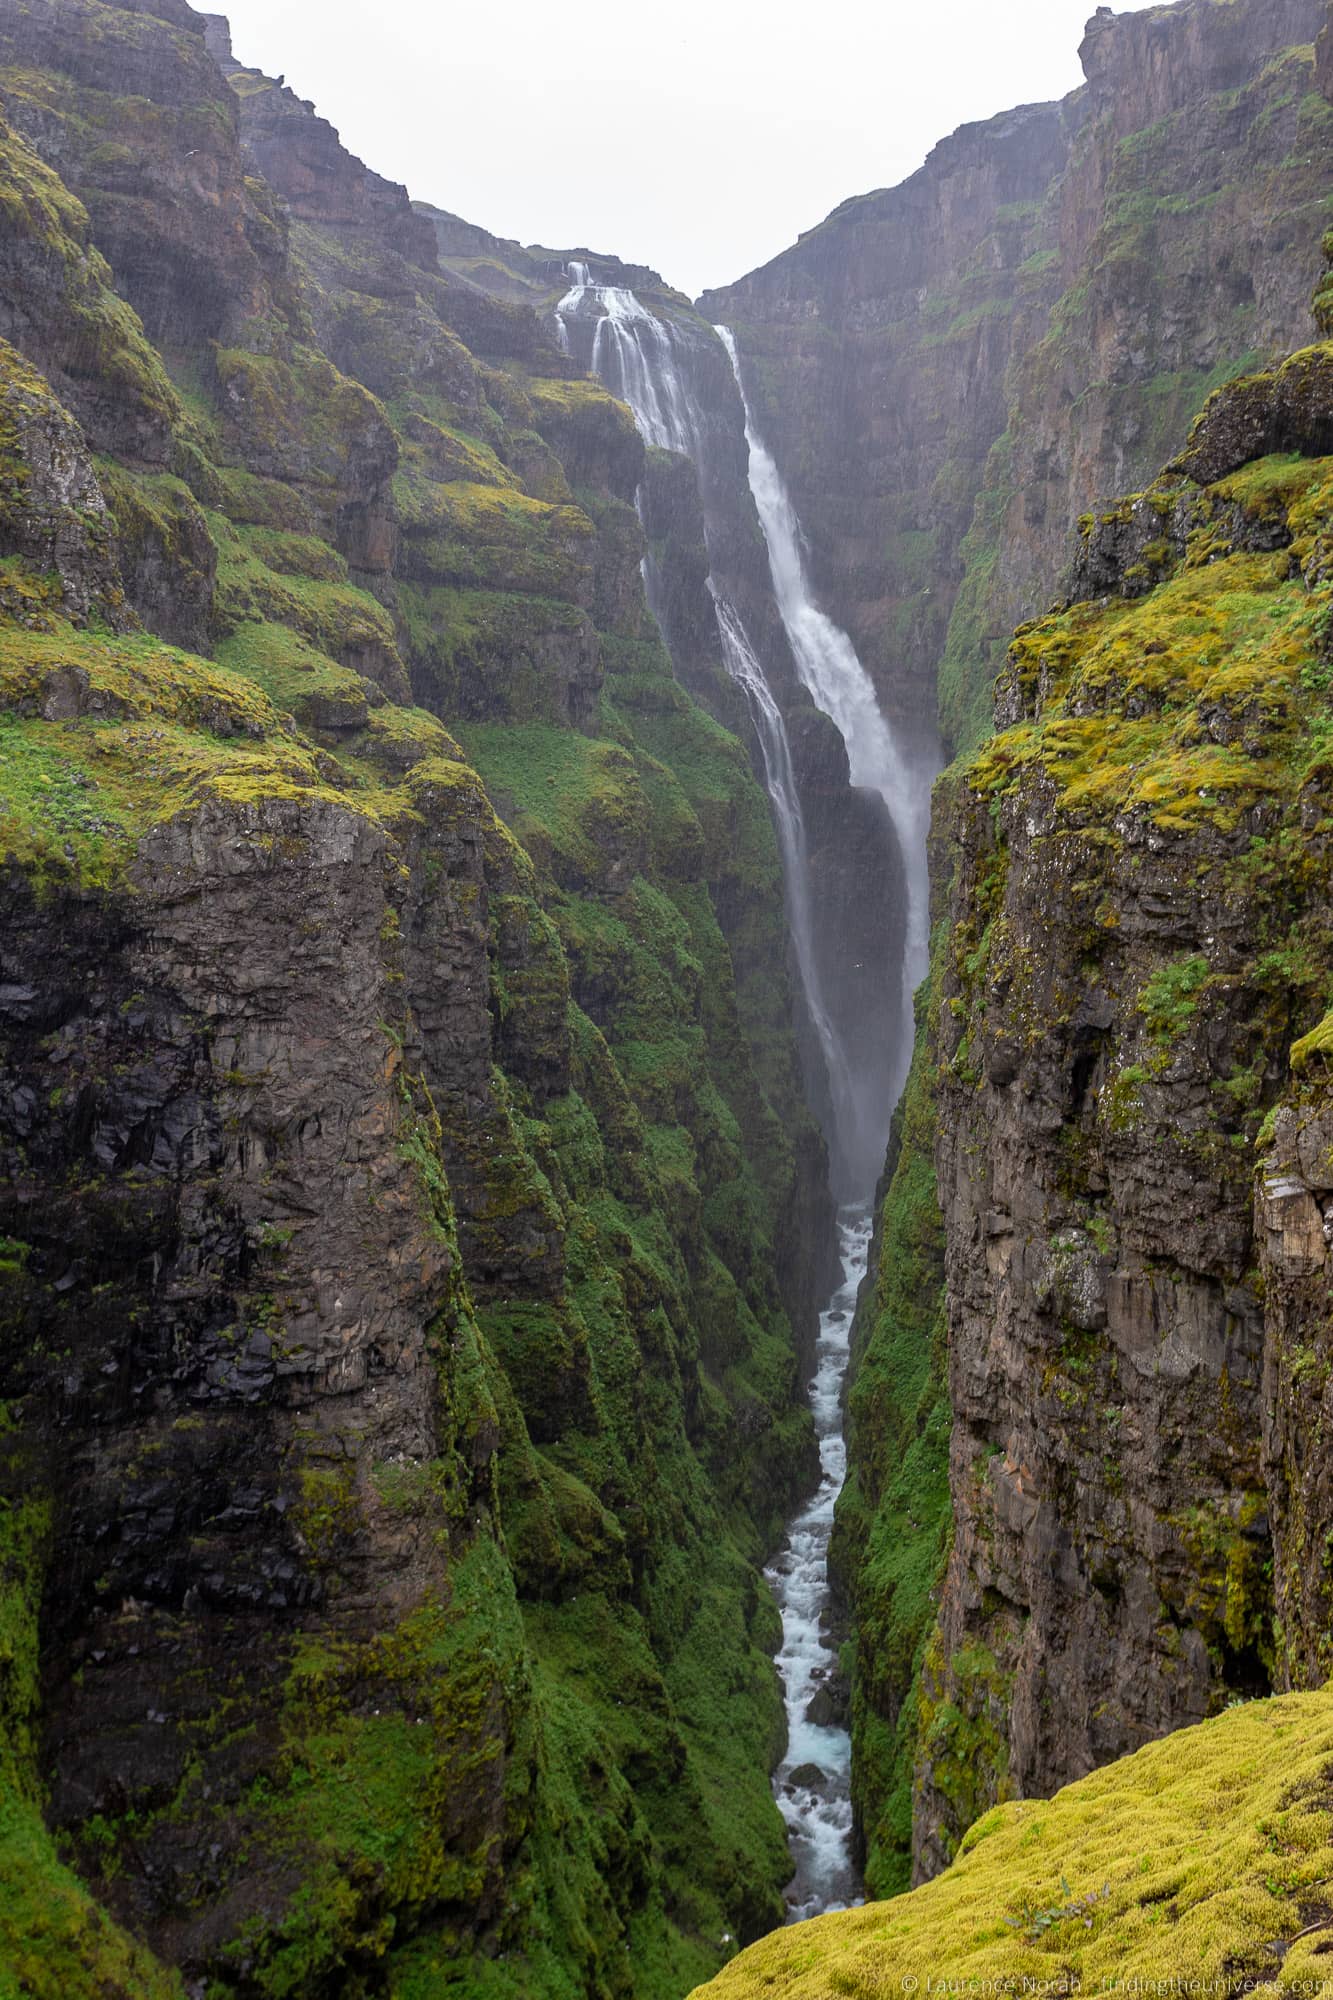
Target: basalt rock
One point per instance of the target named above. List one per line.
(1136, 918)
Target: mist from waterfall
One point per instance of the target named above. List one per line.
(828, 664)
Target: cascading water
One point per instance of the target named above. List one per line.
(813, 1781)
(827, 662)
(780, 781)
(635, 353)
(632, 352)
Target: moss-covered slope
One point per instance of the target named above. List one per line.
(402, 1279)
(1203, 1859)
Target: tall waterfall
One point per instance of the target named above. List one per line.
(640, 358)
(828, 664)
(780, 781)
(635, 353)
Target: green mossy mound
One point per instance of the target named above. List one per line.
(1205, 1857)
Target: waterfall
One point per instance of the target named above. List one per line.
(635, 353)
(640, 358)
(780, 782)
(828, 664)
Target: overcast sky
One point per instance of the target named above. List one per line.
(699, 137)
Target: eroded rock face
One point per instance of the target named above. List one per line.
(53, 513)
(1136, 1360)
(242, 1301)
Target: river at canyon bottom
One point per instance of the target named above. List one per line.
(813, 1782)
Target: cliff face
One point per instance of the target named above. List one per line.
(1023, 328)
(1138, 945)
(410, 1216)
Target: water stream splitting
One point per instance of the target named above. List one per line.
(829, 665)
(636, 355)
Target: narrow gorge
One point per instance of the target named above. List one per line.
(665, 1056)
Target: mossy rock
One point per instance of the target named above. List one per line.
(1136, 1873)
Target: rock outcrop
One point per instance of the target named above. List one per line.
(1138, 922)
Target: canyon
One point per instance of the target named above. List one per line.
(664, 1046)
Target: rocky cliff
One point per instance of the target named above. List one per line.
(1022, 330)
(952, 370)
(410, 1215)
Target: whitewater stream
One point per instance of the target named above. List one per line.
(813, 1782)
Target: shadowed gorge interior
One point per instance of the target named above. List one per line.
(666, 1165)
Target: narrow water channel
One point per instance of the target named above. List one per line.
(813, 1782)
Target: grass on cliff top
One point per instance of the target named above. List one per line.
(1183, 705)
(159, 731)
(1207, 1856)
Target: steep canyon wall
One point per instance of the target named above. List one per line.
(411, 1220)
(1023, 331)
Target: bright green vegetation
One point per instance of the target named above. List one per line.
(1202, 1857)
(1122, 732)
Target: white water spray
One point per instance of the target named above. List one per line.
(827, 662)
(636, 355)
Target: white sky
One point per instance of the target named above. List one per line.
(700, 136)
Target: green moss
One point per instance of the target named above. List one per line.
(496, 538)
(1170, 998)
(1314, 1048)
(1219, 1895)
(171, 729)
(55, 1942)
(1121, 730)
(315, 600)
(296, 677)
(497, 654)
